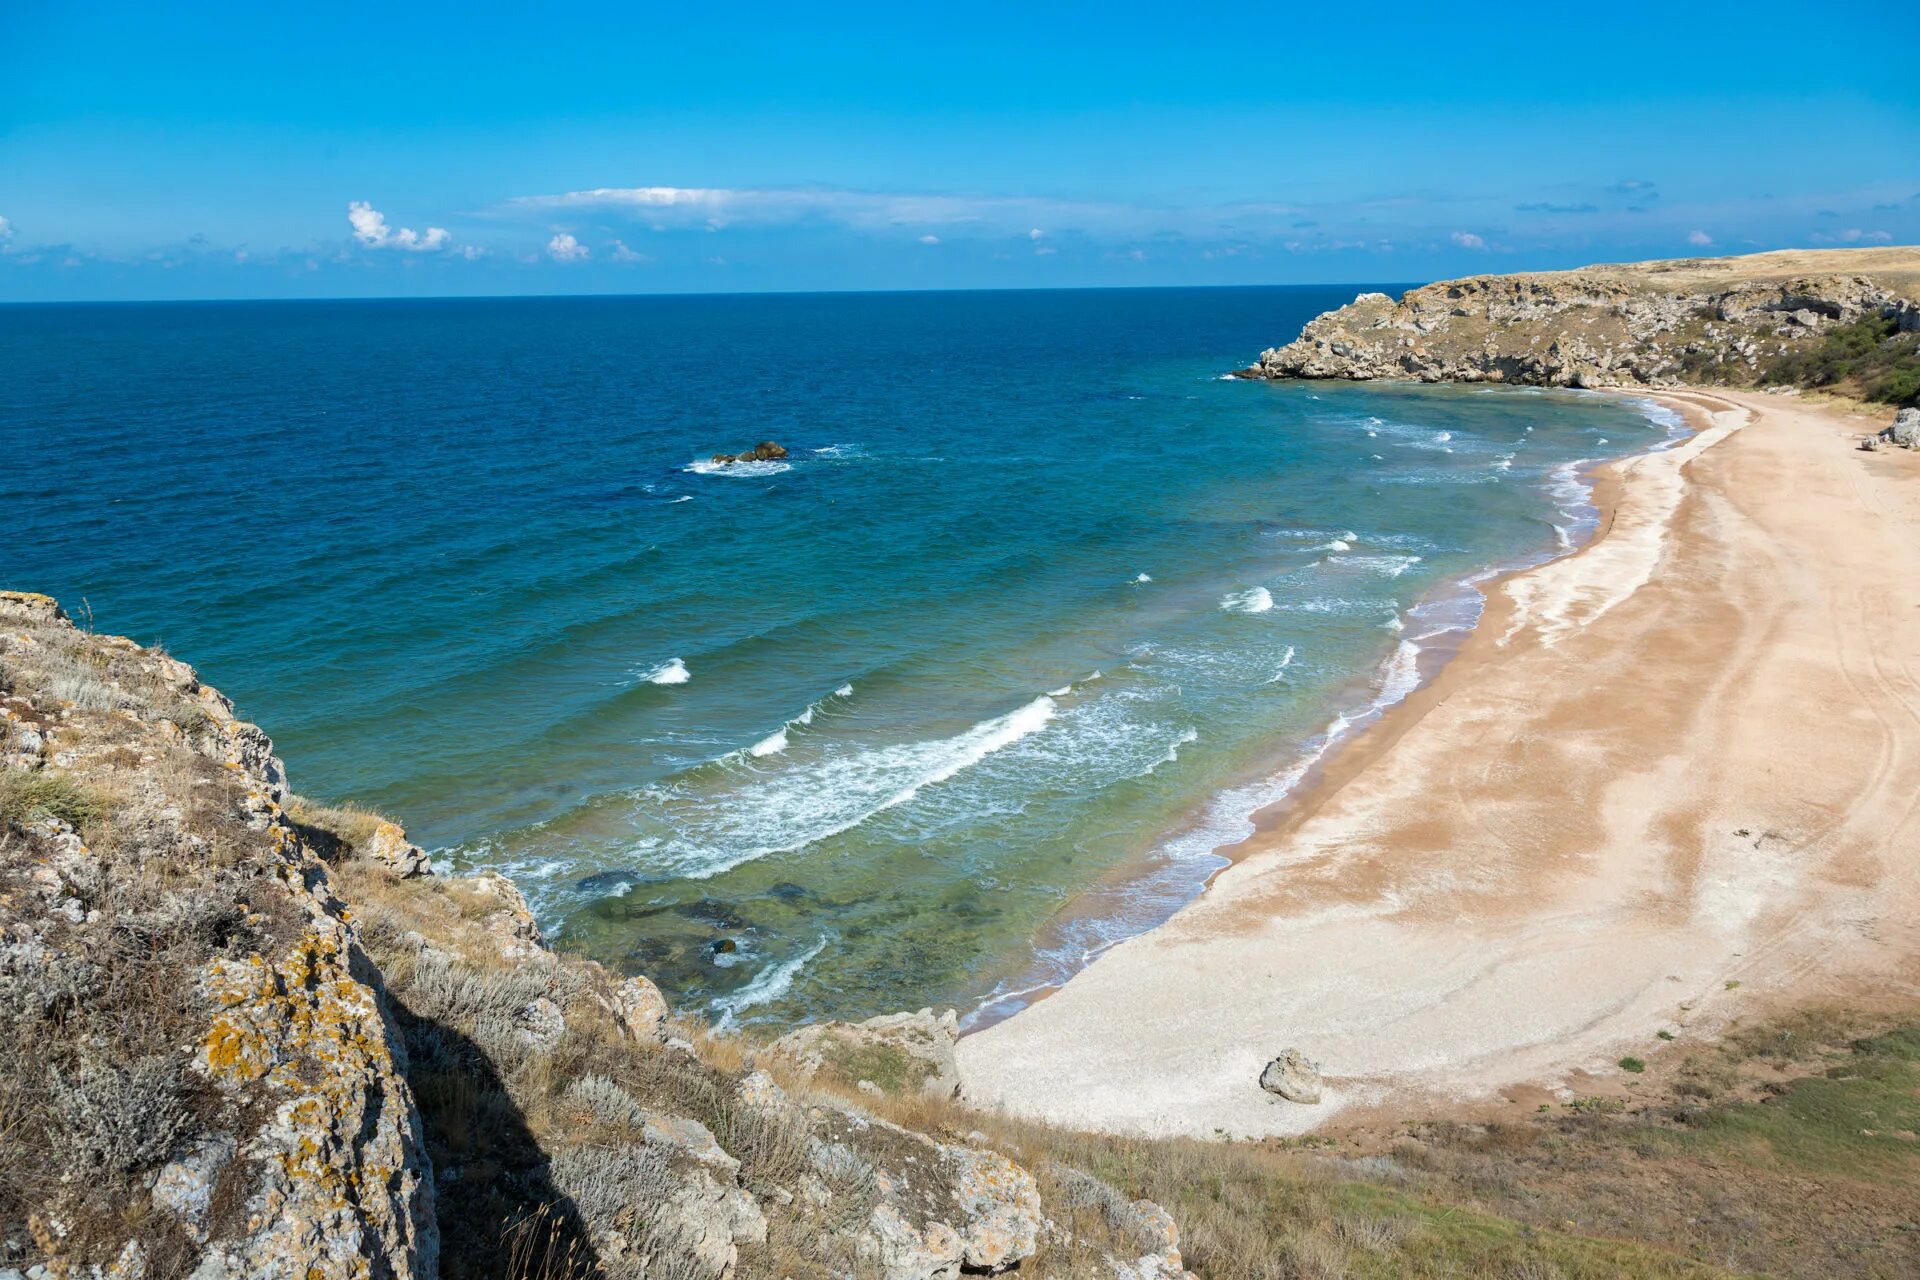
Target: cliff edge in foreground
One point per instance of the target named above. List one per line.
(244, 1035)
(1848, 318)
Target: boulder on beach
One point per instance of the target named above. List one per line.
(1292, 1077)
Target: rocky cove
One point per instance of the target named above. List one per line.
(248, 1035)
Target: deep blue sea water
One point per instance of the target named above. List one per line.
(1040, 604)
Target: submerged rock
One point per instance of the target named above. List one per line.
(1292, 1077)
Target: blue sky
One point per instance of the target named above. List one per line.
(194, 150)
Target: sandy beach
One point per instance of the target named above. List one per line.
(1669, 781)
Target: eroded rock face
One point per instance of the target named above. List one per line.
(210, 1086)
(1594, 327)
(937, 1209)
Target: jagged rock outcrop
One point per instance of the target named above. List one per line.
(202, 1081)
(895, 1053)
(243, 1034)
(1647, 324)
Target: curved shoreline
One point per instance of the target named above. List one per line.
(1320, 770)
(1577, 832)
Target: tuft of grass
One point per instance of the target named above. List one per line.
(1632, 1064)
(25, 797)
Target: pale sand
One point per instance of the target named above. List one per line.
(1685, 757)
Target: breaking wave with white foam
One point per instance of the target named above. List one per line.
(1252, 600)
(670, 672)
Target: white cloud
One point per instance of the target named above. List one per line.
(1044, 251)
(6, 231)
(715, 208)
(1699, 239)
(1467, 240)
(929, 239)
(564, 248)
(623, 254)
(370, 229)
(1036, 234)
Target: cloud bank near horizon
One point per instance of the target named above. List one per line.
(726, 238)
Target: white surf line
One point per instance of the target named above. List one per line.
(1566, 595)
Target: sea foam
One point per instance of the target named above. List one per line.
(671, 672)
(1252, 600)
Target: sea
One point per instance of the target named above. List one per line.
(1039, 609)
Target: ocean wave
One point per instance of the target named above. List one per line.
(1252, 600)
(1143, 577)
(1280, 672)
(765, 987)
(670, 672)
(1388, 566)
(777, 741)
(788, 809)
(738, 470)
(685, 497)
(841, 451)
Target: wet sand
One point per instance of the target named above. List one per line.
(1669, 780)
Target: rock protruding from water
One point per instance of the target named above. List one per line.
(765, 451)
(897, 1052)
(1292, 1077)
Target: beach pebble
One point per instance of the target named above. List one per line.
(1292, 1077)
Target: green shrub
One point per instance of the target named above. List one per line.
(1634, 1065)
(1868, 355)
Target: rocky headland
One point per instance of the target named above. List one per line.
(1848, 318)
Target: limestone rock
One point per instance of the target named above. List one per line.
(389, 846)
(509, 919)
(939, 1209)
(641, 1009)
(1292, 1077)
(898, 1052)
(246, 1080)
(1905, 430)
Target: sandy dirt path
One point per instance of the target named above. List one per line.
(1670, 780)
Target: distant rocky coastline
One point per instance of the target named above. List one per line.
(1764, 318)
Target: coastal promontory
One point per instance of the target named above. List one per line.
(1848, 318)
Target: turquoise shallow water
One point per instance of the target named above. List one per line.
(1040, 605)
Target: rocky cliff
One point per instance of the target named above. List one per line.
(1700, 320)
(245, 1035)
